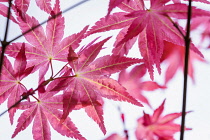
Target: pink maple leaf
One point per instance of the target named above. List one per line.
(90, 81)
(174, 55)
(135, 85)
(10, 82)
(45, 48)
(156, 126)
(204, 22)
(44, 111)
(142, 23)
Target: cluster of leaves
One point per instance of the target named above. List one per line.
(84, 80)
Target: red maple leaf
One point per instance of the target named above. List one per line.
(158, 127)
(142, 23)
(45, 48)
(90, 81)
(135, 85)
(10, 82)
(44, 111)
(174, 55)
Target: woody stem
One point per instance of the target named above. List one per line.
(186, 61)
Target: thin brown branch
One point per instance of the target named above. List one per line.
(14, 105)
(25, 95)
(186, 61)
(4, 43)
(123, 122)
(176, 26)
(8, 17)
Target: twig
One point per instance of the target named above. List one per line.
(186, 61)
(123, 122)
(175, 25)
(14, 105)
(4, 43)
(25, 95)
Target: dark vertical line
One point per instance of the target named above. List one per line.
(4, 42)
(186, 61)
(8, 19)
(123, 123)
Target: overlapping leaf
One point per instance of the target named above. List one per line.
(143, 23)
(90, 81)
(156, 126)
(10, 82)
(45, 48)
(22, 5)
(132, 81)
(174, 55)
(44, 111)
(204, 23)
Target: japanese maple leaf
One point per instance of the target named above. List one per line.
(204, 22)
(156, 126)
(45, 48)
(90, 81)
(44, 111)
(142, 23)
(11, 87)
(175, 55)
(134, 84)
